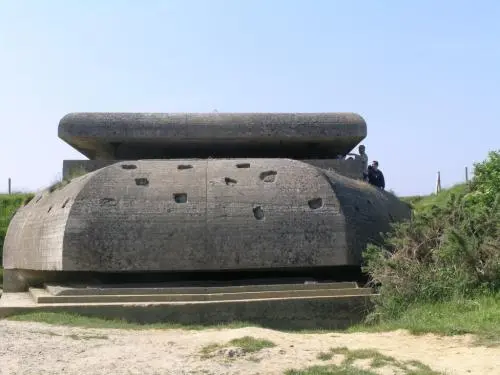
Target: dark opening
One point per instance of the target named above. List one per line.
(141, 181)
(243, 165)
(268, 176)
(182, 167)
(230, 181)
(315, 203)
(129, 166)
(180, 197)
(258, 212)
(65, 203)
(236, 149)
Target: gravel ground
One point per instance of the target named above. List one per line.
(35, 348)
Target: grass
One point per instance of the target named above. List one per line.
(75, 320)
(478, 316)
(208, 350)
(372, 360)
(251, 345)
(350, 356)
(247, 343)
(421, 202)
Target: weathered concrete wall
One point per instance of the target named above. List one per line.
(346, 167)
(200, 215)
(78, 167)
(131, 136)
(205, 215)
(34, 239)
(368, 211)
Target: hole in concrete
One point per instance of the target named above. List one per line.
(369, 201)
(107, 202)
(315, 203)
(258, 213)
(50, 208)
(141, 181)
(129, 166)
(268, 176)
(243, 165)
(182, 167)
(38, 199)
(65, 203)
(180, 197)
(230, 181)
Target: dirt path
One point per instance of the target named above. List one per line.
(33, 348)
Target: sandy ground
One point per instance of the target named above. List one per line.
(34, 348)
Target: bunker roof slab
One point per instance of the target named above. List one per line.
(201, 135)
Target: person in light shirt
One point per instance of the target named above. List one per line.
(364, 159)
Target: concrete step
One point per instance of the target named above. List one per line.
(41, 296)
(331, 312)
(75, 290)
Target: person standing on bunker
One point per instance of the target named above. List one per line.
(364, 160)
(375, 176)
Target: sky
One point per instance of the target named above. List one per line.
(425, 75)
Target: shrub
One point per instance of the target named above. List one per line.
(486, 182)
(451, 247)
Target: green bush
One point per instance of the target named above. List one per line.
(486, 182)
(450, 249)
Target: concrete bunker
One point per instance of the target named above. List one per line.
(200, 196)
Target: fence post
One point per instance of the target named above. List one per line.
(9, 188)
(438, 183)
(466, 174)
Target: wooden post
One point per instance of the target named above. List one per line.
(9, 189)
(466, 174)
(438, 183)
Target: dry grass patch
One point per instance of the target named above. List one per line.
(243, 345)
(363, 362)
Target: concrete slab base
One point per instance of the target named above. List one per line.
(328, 306)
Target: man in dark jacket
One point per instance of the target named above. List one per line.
(375, 176)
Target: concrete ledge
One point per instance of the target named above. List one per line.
(171, 288)
(42, 296)
(280, 313)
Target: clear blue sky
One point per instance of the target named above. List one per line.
(424, 74)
